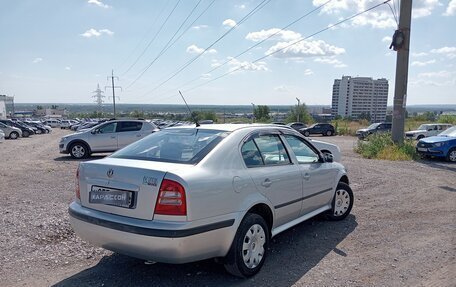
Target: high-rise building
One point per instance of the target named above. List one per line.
(356, 97)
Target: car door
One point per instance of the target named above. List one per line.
(103, 138)
(274, 175)
(317, 176)
(128, 132)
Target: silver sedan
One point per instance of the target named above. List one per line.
(191, 193)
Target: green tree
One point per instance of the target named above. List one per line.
(54, 107)
(303, 113)
(39, 107)
(261, 113)
(365, 116)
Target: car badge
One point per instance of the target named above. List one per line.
(110, 173)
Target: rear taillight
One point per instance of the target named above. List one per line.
(78, 191)
(171, 199)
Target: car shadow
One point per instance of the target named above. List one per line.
(69, 158)
(438, 164)
(291, 255)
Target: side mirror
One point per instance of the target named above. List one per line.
(328, 157)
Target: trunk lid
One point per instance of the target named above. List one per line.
(123, 187)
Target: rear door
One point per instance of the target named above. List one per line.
(104, 138)
(270, 167)
(128, 132)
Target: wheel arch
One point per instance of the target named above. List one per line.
(264, 211)
(344, 179)
(78, 141)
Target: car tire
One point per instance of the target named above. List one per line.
(342, 202)
(329, 133)
(79, 150)
(306, 134)
(249, 248)
(420, 137)
(14, 135)
(451, 156)
(25, 134)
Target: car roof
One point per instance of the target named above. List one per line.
(230, 127)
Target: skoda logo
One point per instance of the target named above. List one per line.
(110, 172)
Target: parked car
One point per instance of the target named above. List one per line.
(41, 129)
(26, 131)
(442, 145)
(191, 193)
(66, 124)
(2, 136)
(297, 125)
(427, 130)
(106, 137)
(53, 123)
(10, 132)
(320, 128)
(373, 129)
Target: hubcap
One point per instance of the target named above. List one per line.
(253, 246)
(452, 155)
(78, 151)
(341, 202)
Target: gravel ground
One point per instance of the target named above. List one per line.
(401, 231)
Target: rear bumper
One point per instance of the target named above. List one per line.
(168, 242)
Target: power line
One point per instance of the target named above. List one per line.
(251, 13)
(257, 44)
(153, 39)
(144, 37)
(167, 45)
(292, 44)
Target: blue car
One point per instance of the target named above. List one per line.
(443, 145)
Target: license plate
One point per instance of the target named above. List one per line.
(110, 196)
(422, 149)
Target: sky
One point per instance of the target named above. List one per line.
(266, 52)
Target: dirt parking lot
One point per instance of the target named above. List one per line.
(401, 231)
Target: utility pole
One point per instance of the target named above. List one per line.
(113, 91)
(402, 63)
(297, 110)
(253, 112)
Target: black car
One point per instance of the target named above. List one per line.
(323, 129)
(373, 129)
(26, 131)
(40, 129)
(297, 125)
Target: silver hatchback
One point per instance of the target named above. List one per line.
(191, 193)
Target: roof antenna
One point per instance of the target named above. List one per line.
(190, 111)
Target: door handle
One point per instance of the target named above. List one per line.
(306, 176)
(266, 183)
(113, 137)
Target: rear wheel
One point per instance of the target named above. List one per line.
(342, 202)
(306, 134)
(329, 133)
(420, 137)
(249, 248)
(25, 134)
(79, 150)
(451, 156)
(13, 135)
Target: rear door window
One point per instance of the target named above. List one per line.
(302, 151)
(129, 126)
(272, 150)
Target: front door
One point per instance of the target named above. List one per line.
(103, 138)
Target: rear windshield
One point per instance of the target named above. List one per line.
(174, 145)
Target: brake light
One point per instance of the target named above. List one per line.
(171, 199)
(78, 191)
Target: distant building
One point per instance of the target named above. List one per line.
(51, 113)
(357, 97)
(3, 101)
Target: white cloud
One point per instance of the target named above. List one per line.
(423, 8)
(241, 6)
(439, 74)
(229, 23)
(387, 39)
(284, 35)
(235, 64)
(421, 54)
(450, 52)
(331, 61)
(304, 49)
(68, 68)
(422, 64)
(98, 3)
(451, 9)
(282, 89)
(205, 76)
(308, 72)
(37, 60)
(199, 27)
(94, 33)
(193, 49)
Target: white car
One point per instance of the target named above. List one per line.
(427, 130)
(105, 137)
(190, 193)
(2, 136)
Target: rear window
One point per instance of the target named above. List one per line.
(174, 145)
